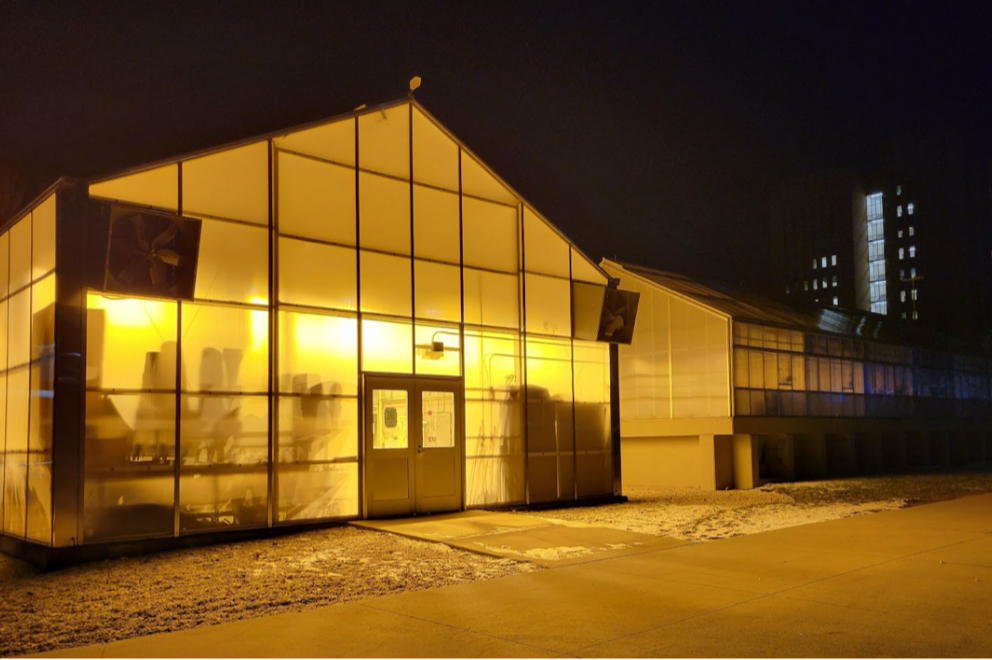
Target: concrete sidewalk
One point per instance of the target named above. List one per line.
(538, 540)
(912, 582)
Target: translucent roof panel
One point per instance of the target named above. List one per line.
(384, 141)
(43, 238)
(384, 213)
(435, 154)
(545, 251)
(158, 187)
(334, 141)
(436, 230)
(315, 199)
(4, 262)
(489, 234)
(584, 270)
(751, 308)
(233, 183)
(478, 182)
(20, 253)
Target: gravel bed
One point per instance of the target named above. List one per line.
(696, 515)
(122, 598)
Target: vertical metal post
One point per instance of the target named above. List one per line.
(273, 315)
(177, 444)
(69, 387)
(413, 270)
(461, 331)
(571, 364)
(522, 290)
(362, 504)
(30, 288)
(615, 417)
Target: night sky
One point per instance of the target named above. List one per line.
(652, 131)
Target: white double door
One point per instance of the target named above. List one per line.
(414, 445)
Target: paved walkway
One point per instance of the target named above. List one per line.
(516, 536)
(912, 582)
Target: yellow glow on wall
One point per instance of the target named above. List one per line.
(121, 334)
(259, 319)
(132, 312)
(387, 346)
(446, 362)
(549, 365)
(313, 332)
(318, 349)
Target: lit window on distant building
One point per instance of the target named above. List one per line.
(900, 233)
(912, 272)
(902, 296)
(816, 284)
(899, 211)
(898, 190)
(909, 208)
(833, 282)
(876, 254)
(824, 283)
(806, 285)
(914, 294)
(912, 251)
(835, 300)
(901, 253)
(814, 263)
(833, 259)
(910, 231)
(823, 262)
(915, 315)
(904, 314)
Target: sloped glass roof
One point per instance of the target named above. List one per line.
(752, 308)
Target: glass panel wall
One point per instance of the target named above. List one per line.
(316, 199)
(494, 433)
(27, 346)
(593, 446)
(131, 409)
(317, 443)
(242, 409)
(677, 364)
(788, 373)
(550, 420)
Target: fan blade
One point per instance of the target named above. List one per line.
(140, 232)
(165, 236)
(135, 271)
(159, 273)
(170, 257)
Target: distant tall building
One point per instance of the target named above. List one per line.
(912, 240)
(814, 220)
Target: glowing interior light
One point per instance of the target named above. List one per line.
(259, 320)
(130, 312)
(313, 332)
(876, 254)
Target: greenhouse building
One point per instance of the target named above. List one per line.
(350, 319)
(724, 389)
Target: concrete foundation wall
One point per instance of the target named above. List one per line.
(784, 449)
(716, 462)
(661, 461)
(746, 458)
